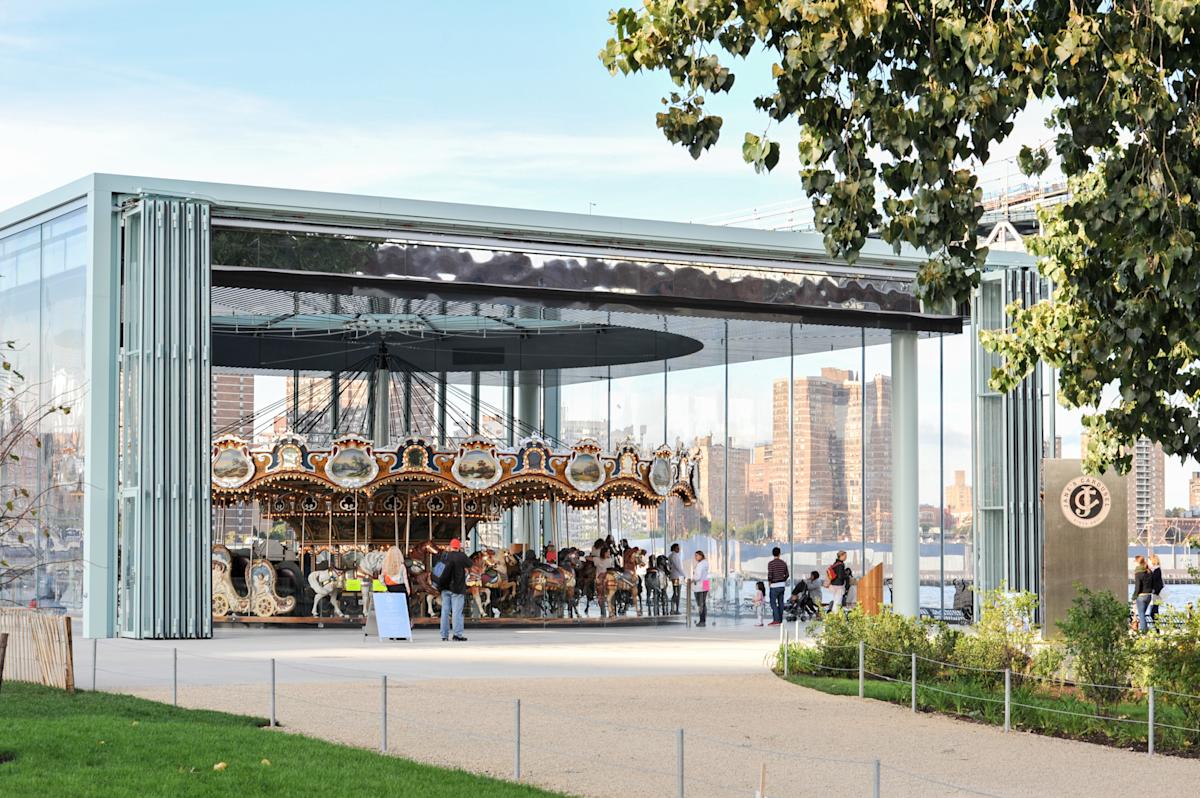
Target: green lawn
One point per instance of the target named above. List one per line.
(100, 744)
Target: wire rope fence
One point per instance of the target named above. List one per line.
(1129, 715)
(548, 740)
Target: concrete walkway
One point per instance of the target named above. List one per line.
(600, 713)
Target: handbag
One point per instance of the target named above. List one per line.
(704, 586)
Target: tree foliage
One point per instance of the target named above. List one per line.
(897, 105)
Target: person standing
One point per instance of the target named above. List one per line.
(777, 576)
(1156, 587)
(1143, 591)
(394, 573)
(700, 585)
(759, 600)
(677, 574)
(836, 574)
(453, 584)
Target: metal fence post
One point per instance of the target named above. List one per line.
(875, 779)
(174, 677)
(1150, 723)
(274, 722)
(679, 761)
(862, 668)
(383, 716)
(517, 740)
(1008, 699)
(687, 586)
(914, 681)
(785, 649)
(95, 648)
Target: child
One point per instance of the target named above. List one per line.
(760, 601)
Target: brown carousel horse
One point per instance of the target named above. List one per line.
(423, 593)
(546, 580)
(478, 583)
(623, 581)
(585, 577)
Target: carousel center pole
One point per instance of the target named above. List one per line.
(407, 524)
(462, 519)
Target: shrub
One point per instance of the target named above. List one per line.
(1048, 662)
(892, 640)
(1171, 661)
(1096, 634)
(802, 658)
(1003, 638)
(837, 638)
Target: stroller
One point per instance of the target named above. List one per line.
(800, 605)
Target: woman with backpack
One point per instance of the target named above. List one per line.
(836, 575)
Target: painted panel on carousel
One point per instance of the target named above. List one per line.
(534, 456)
(351, 465)
(661, 476)
(585, 472)
(290, 453)
(627, 460)
(415, 455)
(476, 466)
(231, 464)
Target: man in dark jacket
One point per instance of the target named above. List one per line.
(777, 576)
(453, 584)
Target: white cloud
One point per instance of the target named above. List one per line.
(154, 127)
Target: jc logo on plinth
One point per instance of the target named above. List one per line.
(1085, 501)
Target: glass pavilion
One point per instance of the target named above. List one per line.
(829, 408)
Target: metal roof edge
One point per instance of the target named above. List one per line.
(494, 220)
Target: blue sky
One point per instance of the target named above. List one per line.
(498, 103)
(471, 101)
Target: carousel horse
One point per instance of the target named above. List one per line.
(327, 583)
(423, 594)
(477, 583)
(503, 587)
(623, 581)
(547, 581)
(657, 581)
(585, 577)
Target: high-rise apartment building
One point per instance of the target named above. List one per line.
(1147, 494)
(759, 490)
(233, 414)
(713, 468)
(840, 442)
(1146, 491)
(958, 496)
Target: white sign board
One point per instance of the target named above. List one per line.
(391, 616)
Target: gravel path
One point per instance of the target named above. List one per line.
(616, 736)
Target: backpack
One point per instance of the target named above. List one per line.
(831, 574)
(439, 567)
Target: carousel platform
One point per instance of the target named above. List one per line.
(593, 621)
(287, 620)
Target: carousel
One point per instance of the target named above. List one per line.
(346, 505)
(387, 451)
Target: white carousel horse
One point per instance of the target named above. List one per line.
(327, 583)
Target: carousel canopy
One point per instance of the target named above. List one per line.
(477, 478)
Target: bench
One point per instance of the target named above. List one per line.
(948, 615)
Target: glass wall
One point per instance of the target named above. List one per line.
(790, 423)
(42, 311)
